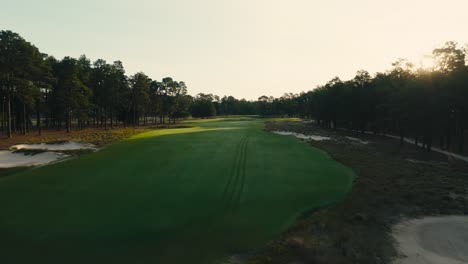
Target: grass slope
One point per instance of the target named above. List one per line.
(185, 195)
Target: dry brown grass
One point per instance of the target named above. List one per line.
(97, 136)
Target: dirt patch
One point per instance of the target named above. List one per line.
(54, 146)
(388, 188)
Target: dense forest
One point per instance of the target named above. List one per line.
(40, 92)
(427, 105)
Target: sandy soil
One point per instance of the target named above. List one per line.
(70, 145)
(302, 136)
(9, 159)
(433, 240)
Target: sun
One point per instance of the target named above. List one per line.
(427, 62)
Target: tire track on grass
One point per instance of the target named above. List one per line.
(238, 176)
(233, 170)
(242, 169)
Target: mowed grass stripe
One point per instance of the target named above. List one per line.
(242, 172)
(233, 170)
(238, 174)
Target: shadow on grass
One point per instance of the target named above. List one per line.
(11, 171)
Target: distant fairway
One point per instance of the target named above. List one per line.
(185, 195)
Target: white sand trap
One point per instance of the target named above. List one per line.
(9, 159)
(433, 240)
(69, 145)
(301, 136)
(358, 140)
(427, 162)
(308, 121)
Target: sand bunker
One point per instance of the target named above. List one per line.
(68, 145)
(9, 159)
(433, 240)
(358, 140)
(47, 153)
(302, 136)
(308, 121)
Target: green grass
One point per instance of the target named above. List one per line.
(282, 119)
(11, 171)
(184, 195)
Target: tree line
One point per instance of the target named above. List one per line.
(427, 105)
(39, 91)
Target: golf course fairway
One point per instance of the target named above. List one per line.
(183, 195)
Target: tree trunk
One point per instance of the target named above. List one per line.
(429, 143)
(462, 138)
(14, 120)
(38, 118)
(9, 117)
(28, 123)
(47, 121)
(46, 103)
(111, 120)
(95, 119)
(24, 119)
(68, 121)
(105, 119)
(3, 116)
(449, 141)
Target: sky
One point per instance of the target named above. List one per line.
(244, 48)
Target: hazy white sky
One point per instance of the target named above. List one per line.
(245, 48)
